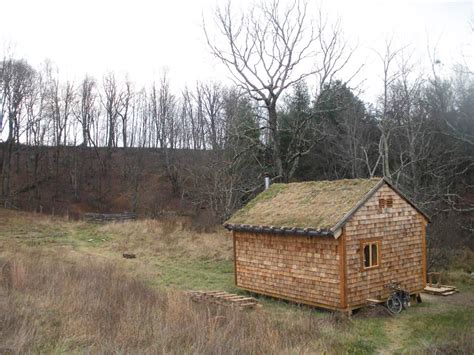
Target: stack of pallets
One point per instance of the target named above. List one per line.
(443, 290)
(109, 217)
(223, 298)
(435, 288)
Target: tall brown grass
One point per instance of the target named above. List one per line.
(169, 236)
(48, 306)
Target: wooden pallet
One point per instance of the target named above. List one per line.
(371, 301)
(441, 290)
(223, 298)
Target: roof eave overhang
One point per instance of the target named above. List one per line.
(310, 232)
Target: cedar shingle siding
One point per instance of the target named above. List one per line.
(302, 269)
(400, 230)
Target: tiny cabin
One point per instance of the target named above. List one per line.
(330, 244)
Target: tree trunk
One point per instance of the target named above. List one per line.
(386, 165)
(7, 156)
(275, 140)
(7, 160)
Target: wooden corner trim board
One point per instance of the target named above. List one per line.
(235, 259)
(363, 243)
(342, 269)
(423, 246)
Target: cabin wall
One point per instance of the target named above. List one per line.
(298, 268)
(401, 230)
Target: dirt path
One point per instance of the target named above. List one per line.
(394, 331)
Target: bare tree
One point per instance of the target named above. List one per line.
(271, 48)
(162, 112)
(113, 103)
(390, 75)
(16, 81)
(60, 105)
(85, 110)
(189, 113)
(210, 96)
(123, 113)
(166, 113)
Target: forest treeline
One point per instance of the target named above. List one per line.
(210, 145)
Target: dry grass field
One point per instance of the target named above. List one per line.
(65, 287)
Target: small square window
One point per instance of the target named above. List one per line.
(384, 204)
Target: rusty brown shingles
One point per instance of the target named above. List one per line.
(304, 269)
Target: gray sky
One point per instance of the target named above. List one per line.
(141, 37)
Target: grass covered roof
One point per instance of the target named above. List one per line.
(316, 204)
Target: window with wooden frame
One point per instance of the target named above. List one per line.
(370, 254)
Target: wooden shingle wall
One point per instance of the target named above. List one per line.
(298, 268)
(401, 232)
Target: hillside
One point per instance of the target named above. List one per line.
(74, 180)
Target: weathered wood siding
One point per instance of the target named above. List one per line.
(401, 231)
(297, 268)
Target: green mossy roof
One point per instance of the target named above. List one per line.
(314, 204)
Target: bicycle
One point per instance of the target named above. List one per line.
(399, 299)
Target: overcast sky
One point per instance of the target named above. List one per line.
(141, 37)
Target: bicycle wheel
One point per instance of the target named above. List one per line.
(394, 304)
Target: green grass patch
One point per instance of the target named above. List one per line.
(428, 330)
(368, 336)
(189, 274)
(89, 235)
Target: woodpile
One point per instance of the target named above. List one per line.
(223, 298)
(109, 217)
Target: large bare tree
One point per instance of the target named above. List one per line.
(272, 47)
